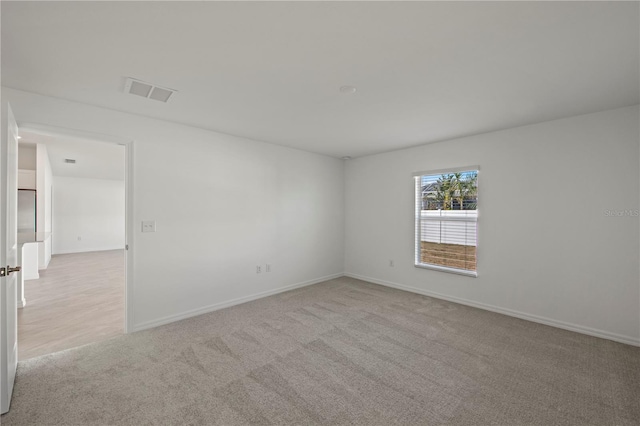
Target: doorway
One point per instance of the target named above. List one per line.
(73, 287)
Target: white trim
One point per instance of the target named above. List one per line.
(88, 250)
(22, 303)
(217, 306)
(417, 224)
(448, 170)
(130, 236)
(629, 340)
(459, 271)
(45, 129)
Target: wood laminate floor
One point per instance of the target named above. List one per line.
(79, 299)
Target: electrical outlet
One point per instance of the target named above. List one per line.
(258, 269)
(148, 226)
(267, 268)
(392, 263)
(79, 238)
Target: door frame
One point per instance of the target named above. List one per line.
(9, 255)
(129, 145)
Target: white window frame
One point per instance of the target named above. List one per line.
(418, 222)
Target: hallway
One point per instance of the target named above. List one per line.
(79, 299)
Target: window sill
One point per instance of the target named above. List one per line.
(464, 272)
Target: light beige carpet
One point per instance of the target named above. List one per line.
(339, 352)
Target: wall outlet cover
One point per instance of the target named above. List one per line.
(148, 226)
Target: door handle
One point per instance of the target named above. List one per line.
(9, 270)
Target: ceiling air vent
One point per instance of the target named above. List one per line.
(70, 161)
(147, 90)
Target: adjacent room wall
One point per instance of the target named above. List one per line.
(88, 214)
(44, 182)
(222, 206)
(27, 157)
(27, 179)
(558, 229)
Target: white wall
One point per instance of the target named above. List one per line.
(88, 215)
(27, 179)
(225, 204)
(222, 204)
(27, 157)
(572, 264)
(44, 182)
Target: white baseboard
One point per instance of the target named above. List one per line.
(629, 340)
(216, 306)
(31, 276)
(22, 303)
(87, 250)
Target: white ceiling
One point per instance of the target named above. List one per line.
(271, 71)
(94, 160)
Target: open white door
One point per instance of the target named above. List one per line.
(8, 256)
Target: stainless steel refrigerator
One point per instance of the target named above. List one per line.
(26, 210)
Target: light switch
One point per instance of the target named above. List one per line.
(148, 226)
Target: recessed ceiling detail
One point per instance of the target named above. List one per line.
(147, 90)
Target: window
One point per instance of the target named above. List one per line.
(446, 220)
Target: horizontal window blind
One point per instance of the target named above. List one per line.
(446, 221)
